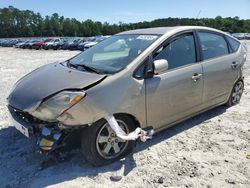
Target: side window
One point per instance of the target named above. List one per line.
(139, 73)
(179, 52)
(234, 44)
(212, 45)
(141, 70)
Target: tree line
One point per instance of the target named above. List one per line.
(26, 23)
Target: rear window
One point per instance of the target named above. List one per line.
(234, 44)
(212, 45)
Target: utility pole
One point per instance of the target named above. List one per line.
(198, 14)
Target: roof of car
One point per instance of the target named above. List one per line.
(148, 31)
(163, 30)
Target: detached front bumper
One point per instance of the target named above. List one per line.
(22, 121)
(48, 135)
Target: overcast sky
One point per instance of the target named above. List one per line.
(127, 11)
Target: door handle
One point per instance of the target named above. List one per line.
(234, 65)
(196, 77)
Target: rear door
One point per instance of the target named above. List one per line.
(177, 92)
(219, 67)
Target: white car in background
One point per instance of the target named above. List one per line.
(48, 45)
(93, 43)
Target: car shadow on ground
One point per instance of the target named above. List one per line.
(22, 166)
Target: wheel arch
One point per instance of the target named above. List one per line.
(239, 79)
(135, 120)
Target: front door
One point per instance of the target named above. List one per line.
(176, 93)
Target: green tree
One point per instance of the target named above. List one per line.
(26, 23)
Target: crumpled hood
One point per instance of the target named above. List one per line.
(46, 81)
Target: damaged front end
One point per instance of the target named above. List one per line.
(50, 138)
(49, 135)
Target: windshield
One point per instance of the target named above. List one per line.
(113, 54)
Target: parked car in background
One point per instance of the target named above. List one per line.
(48, 45)
(13, 42)
(1, 42)
(5, 43)
(9, 43)
(93, 43)
(58, 44)
(83, 43)
(24, 45)
(39, 44)
(28, 44)
(247, 36)
(21, 42)
(133, 81)
(239, 36)
(74, 44)
(67, 43)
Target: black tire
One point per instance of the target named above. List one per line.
(90, 146)
(236, 93)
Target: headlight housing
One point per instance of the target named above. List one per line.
(51, 108)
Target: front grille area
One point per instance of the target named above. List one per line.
(33, 124)
(24, 117)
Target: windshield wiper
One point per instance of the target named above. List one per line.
(88, 68)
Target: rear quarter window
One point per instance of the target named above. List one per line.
(234, 44)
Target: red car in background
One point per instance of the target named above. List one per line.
(38, 45)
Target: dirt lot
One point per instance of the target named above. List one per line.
(208, 150)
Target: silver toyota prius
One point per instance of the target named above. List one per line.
(127, 88)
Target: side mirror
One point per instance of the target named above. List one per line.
(160, 66)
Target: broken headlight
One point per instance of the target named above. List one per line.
(51, 108)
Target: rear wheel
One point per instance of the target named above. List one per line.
(236, 93)
(101, 146)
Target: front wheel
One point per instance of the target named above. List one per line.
(236, 93)
(101, 146)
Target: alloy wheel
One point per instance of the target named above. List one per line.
(237, 92)
(108, 145)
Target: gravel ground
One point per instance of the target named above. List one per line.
(208, 150)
